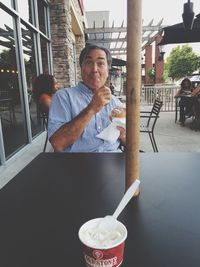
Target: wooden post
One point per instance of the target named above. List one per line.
(134, 37)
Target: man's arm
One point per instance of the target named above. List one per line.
(67, 134)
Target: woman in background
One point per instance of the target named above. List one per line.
(186, 102)
(44, 86)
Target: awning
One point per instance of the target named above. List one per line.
(176, 34)
(118, 62)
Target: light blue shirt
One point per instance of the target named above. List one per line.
(66, 104)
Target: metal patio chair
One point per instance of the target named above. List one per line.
(44, 118)
(148, 121)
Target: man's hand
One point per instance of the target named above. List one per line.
(122, 135)
(101, 97)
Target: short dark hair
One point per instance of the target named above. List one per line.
(84, 53)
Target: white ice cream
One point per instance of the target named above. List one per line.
(102, 233)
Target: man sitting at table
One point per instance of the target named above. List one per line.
(79, 113)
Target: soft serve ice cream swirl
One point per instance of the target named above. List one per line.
(103, 234)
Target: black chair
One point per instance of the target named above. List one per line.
(196, 109)
(148, 121)
(44, 118)
(189, 113)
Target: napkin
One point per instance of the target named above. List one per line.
(111, 133)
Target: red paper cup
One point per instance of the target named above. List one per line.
(103, 256)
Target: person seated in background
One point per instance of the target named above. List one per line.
(78, 114)
(186, 102)
(112, 89)
(44, 86)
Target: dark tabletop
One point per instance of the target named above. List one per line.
(42, 208)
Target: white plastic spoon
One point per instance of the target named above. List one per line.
(109, 220)
(126, 198)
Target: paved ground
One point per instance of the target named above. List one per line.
(170, 137)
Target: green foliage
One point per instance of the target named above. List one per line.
(151, 73)
(166, 77)
(181, 62)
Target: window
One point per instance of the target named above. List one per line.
(44, 52)
(12, 117)
(6, 2)
(24, 9)
(42, 16)
(24, 54)
(30, 64)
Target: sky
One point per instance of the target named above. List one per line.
(168, 10)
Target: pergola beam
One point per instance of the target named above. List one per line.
(116, 37)
(115, 40)
(121, 29)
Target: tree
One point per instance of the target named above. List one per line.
(181, 62)
(151, 74)
(8, 59)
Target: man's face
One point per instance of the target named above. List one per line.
(94, 69)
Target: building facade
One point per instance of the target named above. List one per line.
(36, 36)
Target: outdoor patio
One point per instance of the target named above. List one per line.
(171, 137)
